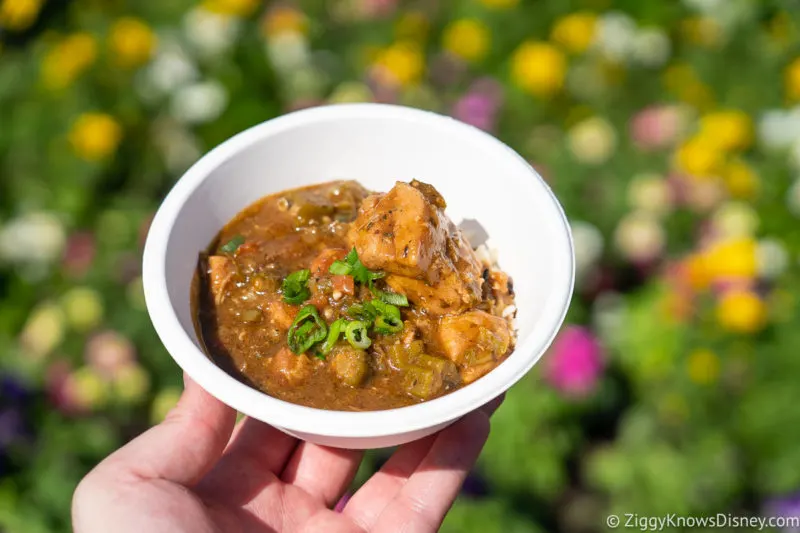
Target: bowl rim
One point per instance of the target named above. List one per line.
(342, 424)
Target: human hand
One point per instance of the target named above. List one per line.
(196, 473)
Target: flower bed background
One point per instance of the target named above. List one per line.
(666, 128)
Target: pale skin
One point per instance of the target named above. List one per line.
(197, 473)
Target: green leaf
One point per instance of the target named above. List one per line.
(232, 245)
(295, 287)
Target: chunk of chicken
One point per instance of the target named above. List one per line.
(293, 367)
(406, 233)
(221, 270)
(474, 340)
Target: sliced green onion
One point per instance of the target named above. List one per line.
(306, 330)
(232, 245)
(356, 333)
(334, 331)
(340, 268)
(388, 325)
(394, 298)
(384, 309)
(363, 312)
(295, 287)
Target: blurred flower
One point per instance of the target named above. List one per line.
(412, 25)
(44, 329)
(83, 390)
(702, 31)
(379, 8)
(639, 237)
(163, 403)
(731, 259)
(792, 80)
(350, 92)
(467, 38)
(131, 383)
(586, 80)
(95, 136)
(170, 69)
(786, 506)
(772, 258)
(32, 238)
(178, 146)
(728, 130)
(575, 32)
(699, 157)
(616, 36)
(68, 59)
(592, 141)
(78, 254)
(306, 83)
(499, 4)
(778, 129)
(287, 51)
(19, 14)
(608, 315)
(793, 198)
(12, 427)
(650, 193)
(212, 34)
(741, 311)
(477, 110)
(240, 8)
(703, 367)
(734, 220)
(658, 127)
(575, 364)
(83, 308)
(538, 68)
(108, 352)
(200, 102)
(651, 47)
(705, 6)
(703, 195)
(402, 64)
(281, 19)
(588, 243)
(132, 41)
(740, 179)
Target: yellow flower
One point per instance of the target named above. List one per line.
(68, 59)
(729, 130)
(741, 180)
(538, 68)
(702, 31)
(697, 272)
(284, 20)
(412, 26)
(19, 14)
(401, 63)
(44, 329)
(703, 367)
(792, 80)
(575, 32)
(467, 38)
(239, 8)
(699, 158)
(95, 136)
(500, 4)
(741, 311)
(132, 41)
(732, 259)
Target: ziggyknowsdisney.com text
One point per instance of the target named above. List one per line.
(719, 520)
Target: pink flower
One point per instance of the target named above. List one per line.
(575, 363)
(379, 8)
(108, 352)
(656, 127)
(79, 254)
(480, 105)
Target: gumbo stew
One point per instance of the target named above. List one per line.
(337, 298)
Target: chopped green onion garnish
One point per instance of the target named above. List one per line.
(295, 287)
(356, 333)
(394, 298)
(353, 266)
(340, 268)
(334, 331)
(388, 325)
(306, 330)
(232, 245)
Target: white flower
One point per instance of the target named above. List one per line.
(32, 238)
(171, 69)
(706, 6)
(288, 50)
(639, 237)
(592, 141)
(650, 193)
(608, 315)
(651, 47)
(778, 130)
(305, 82)
(211, 34)
(616, 36)
(735, 220)
(178, 146)
(588, 242)
(793, 198)
(772, 258)
(199, 103)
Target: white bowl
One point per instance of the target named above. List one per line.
(479, 177)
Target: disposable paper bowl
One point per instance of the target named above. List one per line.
(480, 178)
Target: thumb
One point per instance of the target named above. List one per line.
(184, 447)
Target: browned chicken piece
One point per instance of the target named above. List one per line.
(221, 270)
(294, 368)
(474, 340)
(406, 233)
